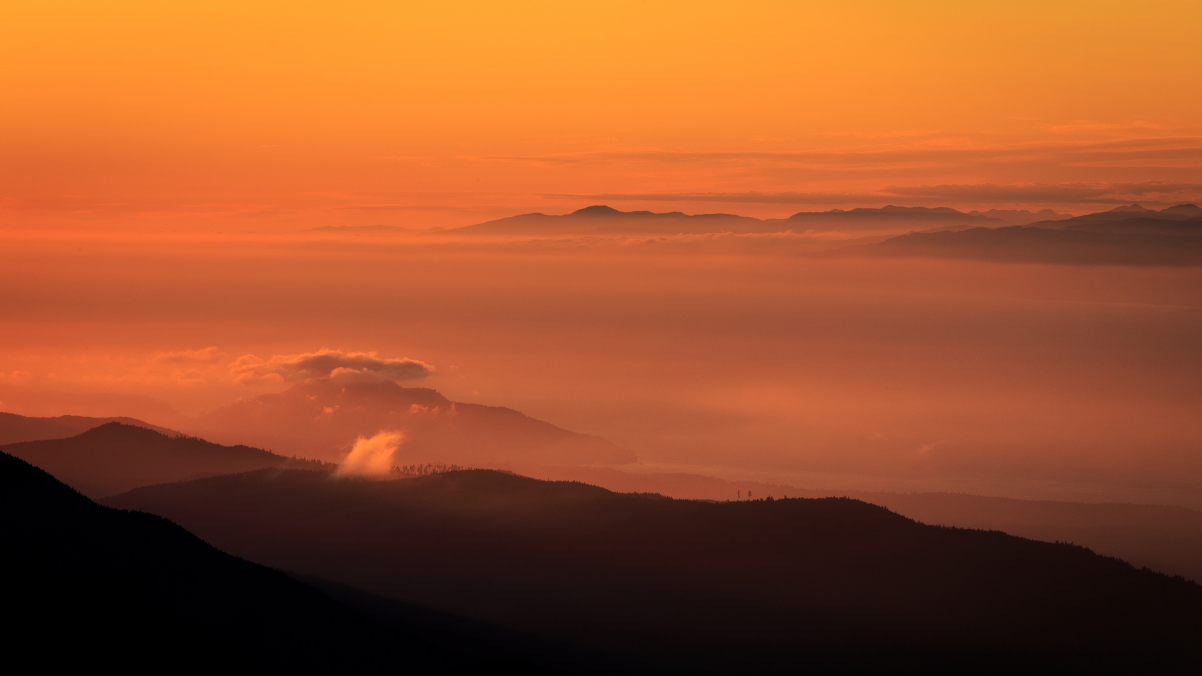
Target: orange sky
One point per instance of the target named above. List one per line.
(159, 162)
(285, 115)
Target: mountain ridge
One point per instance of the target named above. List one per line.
(323, 418)
(17, 428)
(115, 457)
(704, 586)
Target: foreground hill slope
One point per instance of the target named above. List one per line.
(321, 418)
(94, 586)
(701, 586)
(116, 457)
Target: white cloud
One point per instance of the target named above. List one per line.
(371, 456)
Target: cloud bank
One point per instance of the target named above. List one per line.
(325, 363)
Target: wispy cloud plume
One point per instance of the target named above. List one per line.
(371, 456)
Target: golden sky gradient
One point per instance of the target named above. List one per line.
(162, 166)
(141, 115)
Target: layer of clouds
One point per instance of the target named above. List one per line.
(208, 355)
(942, 151)
(1103, 195)
(325, 363)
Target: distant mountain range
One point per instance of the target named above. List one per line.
(703, 587)
(1127, 235)
(321, 419)
(1124, 236)
(1165, 538)
(603, 220)
(115, 457)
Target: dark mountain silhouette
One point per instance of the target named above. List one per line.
(93, 587)
(1083, 243)
(1165, 538)
(116, 457)
(15, 428)
(1019, 216)
(1186, 227)
(320, 418)
(604, 220)
(888, 218)
(770, 586)
(1179, 212)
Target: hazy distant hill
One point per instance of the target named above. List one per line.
(14, 428)
(1117, 243)
(888, 219)
(1165, 538)
(320, 418)
(737, 587)
(1186, 227)
(1134, 211)
(603, 220)
(1162, 537)
(115, 457)
(1020, 216)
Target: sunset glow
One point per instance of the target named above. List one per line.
(217, 116)
(602, 338)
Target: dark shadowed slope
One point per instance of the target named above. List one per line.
(89, 586)
(1186, 227)
(114, 458)
(320, 418)
(1046, 245)
(15, 428)
(721, 587)
(1132, 211)
(1165, 538)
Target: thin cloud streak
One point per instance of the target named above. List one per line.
(1100, 194)
(1164, 148)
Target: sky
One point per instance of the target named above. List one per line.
(163, 167)
(283, 116)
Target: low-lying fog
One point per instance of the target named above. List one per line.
(697, 354)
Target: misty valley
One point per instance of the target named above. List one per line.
(865, 441)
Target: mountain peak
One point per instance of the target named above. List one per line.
(1183, 209)
(597, 211)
